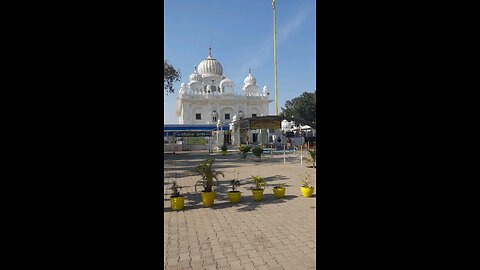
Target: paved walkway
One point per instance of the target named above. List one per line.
(271, 234)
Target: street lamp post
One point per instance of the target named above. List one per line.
(219, 123)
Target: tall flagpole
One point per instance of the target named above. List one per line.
(275, 55)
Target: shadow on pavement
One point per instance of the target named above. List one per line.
(246, 202)
(225, 185)
(249, 204)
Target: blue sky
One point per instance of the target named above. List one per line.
(241, 36)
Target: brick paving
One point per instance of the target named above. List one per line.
(270, 234)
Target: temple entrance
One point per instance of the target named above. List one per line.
(255, 137)
(227, 138)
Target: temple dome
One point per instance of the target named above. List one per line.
(226, 82)
(195, 77)
(250, 80)
(210, 66)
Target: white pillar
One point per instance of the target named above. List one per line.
(264, 133)
(260, 136)
(220, 140)
(219, 134)
(233, 134)
(301, 156)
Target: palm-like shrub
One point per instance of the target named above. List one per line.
(257, 151)
(207, 173)
(175, 190)
(235, 184)
(278, 185)
(313, 157)
(244, 149)
(307, 181)
(258, 182)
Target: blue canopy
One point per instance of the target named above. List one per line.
(171, 128)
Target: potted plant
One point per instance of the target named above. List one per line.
(205, 170)
(244, 149)
(307, 186)
(257, 190)
(278, 189)
(234, 195)
(313, 157)
(257, 151)
(224, 149)
(176, 199)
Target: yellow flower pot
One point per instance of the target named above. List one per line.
(208, 198)
(307, 191)
(177, 203)
(257, 194)
(234, 196)
(279, 192)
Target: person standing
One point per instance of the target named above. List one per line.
(279, 144)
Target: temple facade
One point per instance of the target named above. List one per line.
(211, 98)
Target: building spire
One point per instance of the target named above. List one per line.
(249, 71)
(209, 51)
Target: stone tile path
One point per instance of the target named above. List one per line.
(271, 234)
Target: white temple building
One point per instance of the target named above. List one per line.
(210, 97)
(209, 108)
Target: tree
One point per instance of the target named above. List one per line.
(170, 75)
(304, 107)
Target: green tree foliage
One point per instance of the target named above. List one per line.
(170, 75)
(304, 107)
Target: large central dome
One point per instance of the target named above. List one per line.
(210, 66)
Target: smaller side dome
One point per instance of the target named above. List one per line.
(195, 77)
(195, 87)
(183, 88)
(250, 80)
(226, 82)
(265, 91)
